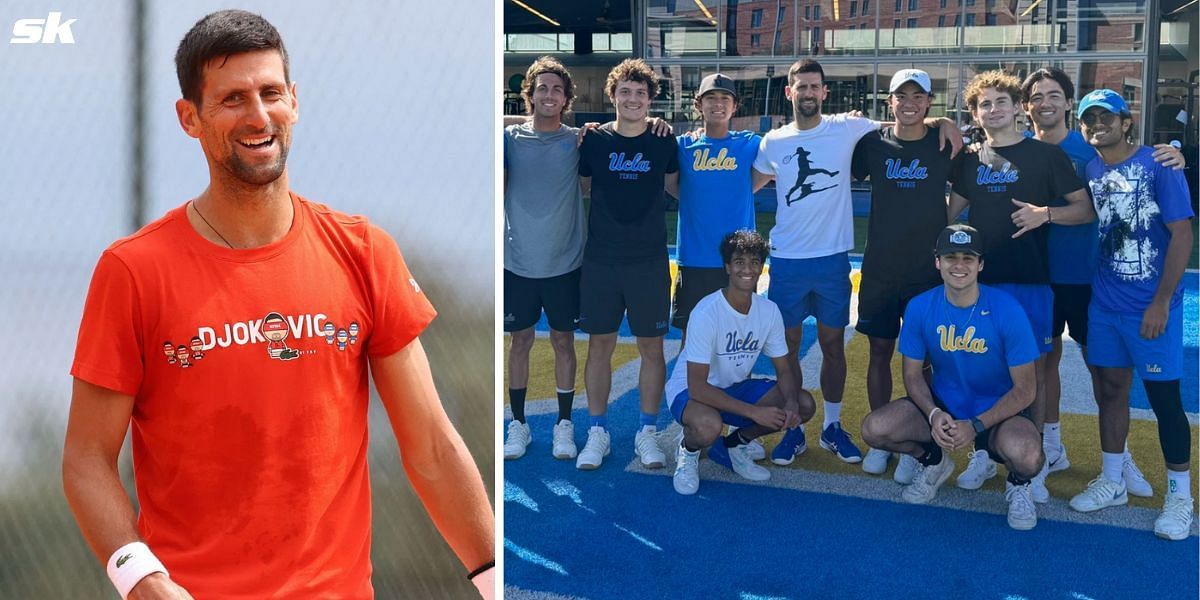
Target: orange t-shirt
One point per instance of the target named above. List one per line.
(249, 372)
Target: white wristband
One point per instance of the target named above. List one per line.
(931, 413)
(130, 564)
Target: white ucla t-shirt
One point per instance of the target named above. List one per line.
(728, 341)
(815, 215)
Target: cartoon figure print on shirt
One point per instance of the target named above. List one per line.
(275, 329)
(1121, 205)
(282, 335)
(804, 169)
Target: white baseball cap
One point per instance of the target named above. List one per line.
(917, 76)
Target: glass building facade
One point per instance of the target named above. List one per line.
(1145, 49)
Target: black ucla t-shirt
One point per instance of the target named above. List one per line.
(1029, 171)
(908, 203)
(626, 219)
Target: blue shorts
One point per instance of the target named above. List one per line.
(1115, 341)
(749, 391)
(812, 286)
(1038, 301)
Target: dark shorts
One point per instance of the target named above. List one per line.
(982, 440)
(640, 290)
(749, 391)
(1071, 310)
(525, 298)
(881, 305)
(692, 284)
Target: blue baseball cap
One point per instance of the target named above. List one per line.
(1106, 99)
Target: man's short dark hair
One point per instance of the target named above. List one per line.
(807, 65)
(746, 241)
(1058, 75)
(220, 35)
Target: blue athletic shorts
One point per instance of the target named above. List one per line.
(1038, 302)
(749, 391)
(1115, 341)
(812, 286)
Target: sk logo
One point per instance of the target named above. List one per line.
(45, 31)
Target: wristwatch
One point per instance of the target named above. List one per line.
(977, 425)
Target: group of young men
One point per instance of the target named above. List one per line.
(980, 346)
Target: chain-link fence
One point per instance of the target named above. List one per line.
(393, 125)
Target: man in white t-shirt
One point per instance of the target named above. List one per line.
(810, 161)
(711, 384)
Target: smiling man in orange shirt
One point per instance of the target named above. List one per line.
(251, 463)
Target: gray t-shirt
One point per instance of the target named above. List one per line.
(543, 207)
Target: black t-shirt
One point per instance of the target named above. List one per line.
(908, 203)
(626, 220)
(1029, 171)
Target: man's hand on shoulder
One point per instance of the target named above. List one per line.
(659, 127)
(1169, 156)
(157, 586)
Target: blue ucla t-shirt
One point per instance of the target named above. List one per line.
(1073, 248)
(971, 349)
(1135, 199)
(716, 194)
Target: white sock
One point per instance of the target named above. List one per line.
(1179, 484)
(649, 428)
(833, 413)
(1051, 436)
(1111, 466)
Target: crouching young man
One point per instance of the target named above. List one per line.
(982, 350)
(711, 384)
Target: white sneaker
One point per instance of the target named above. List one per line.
(564, 440)
(517, 440)
(754, 448)
(594, 451)
(755, 451)
(687, 471)
(1175, 522)
(980, 469)
(742, 465)
(1037, 486)
(1135, 482)
(876, 461)
(927, 480)
(1100, 493)
(906, 469)
(1022, 513)
(645, 445)
(1056, 458)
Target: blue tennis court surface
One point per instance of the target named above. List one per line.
(820, 531)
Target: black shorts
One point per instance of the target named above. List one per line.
(982, 440)
(642, 289)
(881, 305)
(1071, 310)
(692, 284)
(525, 298)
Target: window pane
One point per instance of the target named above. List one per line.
(682, 28)
(831, 33)
(1011, 26)
(1101, 24)
(925, 31)
(777, 38)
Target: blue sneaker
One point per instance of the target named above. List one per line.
(837, 441)
(792, 445)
